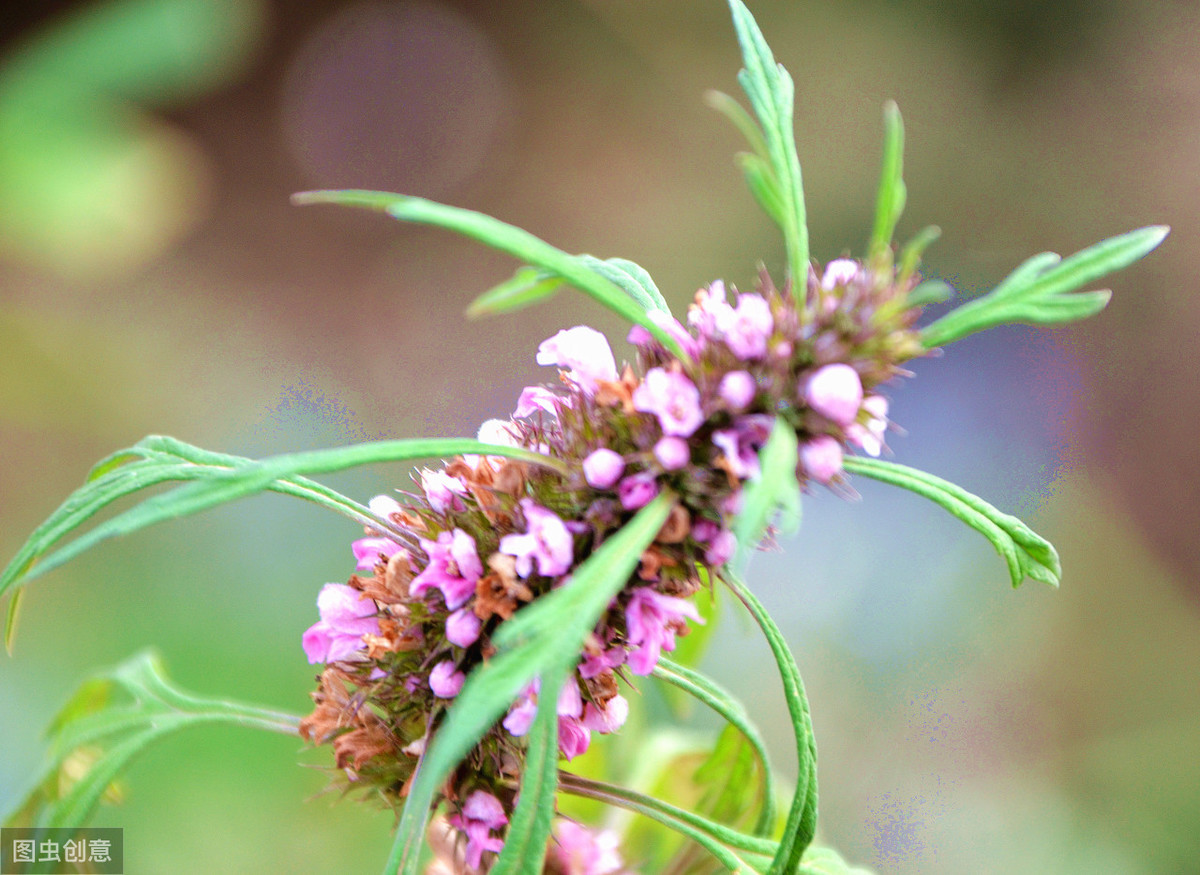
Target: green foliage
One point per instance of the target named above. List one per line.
(1026, 553)
(1040, 290)
(889, 203)
(96, 730)
(775, 490)
(543, 639)
(773, 172)
(211, 479)
(580, 271)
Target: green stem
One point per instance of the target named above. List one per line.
(802, 816)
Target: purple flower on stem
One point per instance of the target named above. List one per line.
(651, 621)
(710, 310)
(443, 491)
(584, 352)
(737, 389)
(573, 737)
(639, 335)
(603, 467)
(673, 398)
(534, 398)
(721, 542)
(835, 392)
(371, 550)
(547, 539)
(446, 680)
(520, 715)
(672, 453)
(454, 568)
(839, 272)
(870, 436)
(608, 719)
(579, 851)
(822, 458)
(747, 328)
(481, 813)
(463, 627)
(637, 490)
(345, 617)
(741, 444)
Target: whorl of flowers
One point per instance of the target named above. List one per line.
(485, 535)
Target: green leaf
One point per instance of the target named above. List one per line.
(92, 724)
(632, 279)
(801, 823)
(762, 184)
(930, 292)
(571, 269)
(527, 286)
(889, 203)
(1039, 290)
(544, 638)
(1026, 553)
(771, 93)
(218, 479)
(826, 861)
(910, 255)
(525, 841)
(775, 490)
(717, 698)
(741, 119)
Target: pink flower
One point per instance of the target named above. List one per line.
(710, 310)
(870, 436)
(573, 737)
(722, 543)
(737, 389)
(672, 453)
(520, 716)
(651, 621)
(608, 719)
(454, 568)
(345, 617)
(371, 550)
(673, 398)
(835, 392)
(446, 680)
(481, 813)
(603, 467)
(741, 443)
(822, 458)
(443, 491)
(547, 539)
(637, 490)
(599, 661)
(584, 352)
(579, 851)
(463, 627)
(747, 328)
(639, 335)
(839, 272)
(534, 398)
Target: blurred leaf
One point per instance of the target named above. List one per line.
(826, 861)
(771, 93)
(633, 279)
(910, 255)
(1026, 553)
(930, 292)
(217, 479)
(889, 203)
(1039, 290)
(774, 490)
(543, 639)
(574, 270)
(121, 730)
(527, 286)
(762, 184)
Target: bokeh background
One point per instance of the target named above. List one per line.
(154, 279)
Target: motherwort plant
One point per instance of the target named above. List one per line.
(504, 604)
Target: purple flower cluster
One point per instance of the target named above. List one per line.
(484, 535)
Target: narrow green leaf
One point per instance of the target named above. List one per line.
(217, 483)
(771, 93)
(741, 119)
(801, 823)
(1026, 553)
(528, 286)
(717, 698)
(761, 182)
(1038, 291)
(889, 203)
(541, 639)
(151, 708)
(525, 841)
(910, 255)
(505, 238)
(11, 617)
(632, 279)
(775, 490)
(930, 292)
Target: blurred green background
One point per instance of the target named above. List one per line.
(153, 278)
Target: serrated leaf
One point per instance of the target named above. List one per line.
(775, 491)
(216, 479)
(545, 638)
(92, 719)
(527, 286)
(1039, 290)
(571, 269)
(771, 92)
(889, 203)
(1026, 553)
